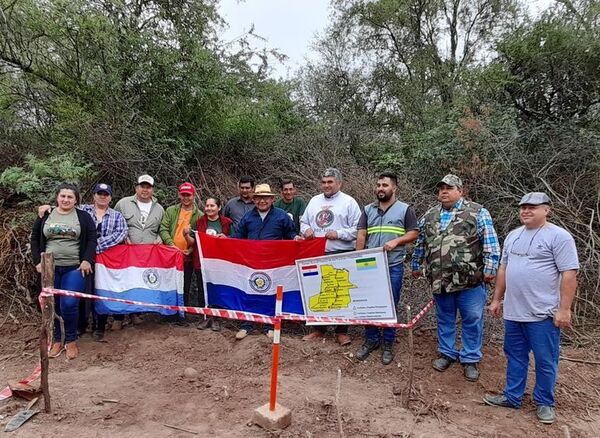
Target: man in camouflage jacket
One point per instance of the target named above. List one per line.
(459, 249)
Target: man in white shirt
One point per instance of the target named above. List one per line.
(333, 215)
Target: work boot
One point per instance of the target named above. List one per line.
(366, 349)
(314, 336)
(498, 400)
(471, 372)
(343, 339)
(442, 363)
(204, 324)
(216, 325)
(98, 336)
(117, 325)
(72, 350)
(55, 350)
(387, 356)
(546, 414)
(136, 320)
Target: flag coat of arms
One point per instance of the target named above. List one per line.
(146, 273)
(242, 274)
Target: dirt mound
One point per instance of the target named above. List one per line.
(133, 384)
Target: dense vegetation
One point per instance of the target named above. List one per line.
(106, 89)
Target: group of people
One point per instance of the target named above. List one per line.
(455, 248)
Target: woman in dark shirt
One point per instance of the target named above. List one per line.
(69, 235)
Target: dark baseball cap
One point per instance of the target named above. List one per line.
(101, 187)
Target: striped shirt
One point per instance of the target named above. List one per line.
(113, 229)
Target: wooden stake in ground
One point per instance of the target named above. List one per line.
(47, 325)
(337, 402)
(411, 360)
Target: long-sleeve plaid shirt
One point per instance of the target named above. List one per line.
(113, 230)
(485, 231)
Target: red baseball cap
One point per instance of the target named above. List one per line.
(187, 189)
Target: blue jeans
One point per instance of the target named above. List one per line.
(67, 278)
(541, 337)
(389, 334)
(471, 304)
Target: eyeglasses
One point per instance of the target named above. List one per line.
(526, 254)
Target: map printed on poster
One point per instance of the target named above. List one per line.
(354, 285)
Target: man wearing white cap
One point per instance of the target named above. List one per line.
(143, 214)
(537, 279)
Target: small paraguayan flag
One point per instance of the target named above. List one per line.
(366, 263)
(309, 270)
(146, 273)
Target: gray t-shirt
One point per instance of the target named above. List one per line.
(534, 260)
(235, 209)
(62, 237)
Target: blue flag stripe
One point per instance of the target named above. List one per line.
(169, 298)
(227, 297)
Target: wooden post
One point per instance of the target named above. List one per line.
(46, 331)
(411, 360)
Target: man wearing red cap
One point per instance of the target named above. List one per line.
(176, 226)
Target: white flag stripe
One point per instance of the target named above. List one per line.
(121, 280)
(225, 273)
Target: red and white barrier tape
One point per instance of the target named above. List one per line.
(222, 313)
(245, 316)
(7, 393)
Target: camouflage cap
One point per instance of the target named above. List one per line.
(450, 180)
(535, 198)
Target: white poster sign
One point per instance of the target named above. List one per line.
(353, 285)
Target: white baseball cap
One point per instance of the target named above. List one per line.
(146, 179)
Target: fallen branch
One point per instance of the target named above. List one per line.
(183, 429)
(572, 359)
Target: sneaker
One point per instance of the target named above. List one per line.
(117, 325)
(98, 336)
(204, 324)
(270, 334)
(314, 336)
(442, 363)
(471, 372)
(546, 414)
(498, 400)
(366, 349)
(343, 339)
(55, 350)
(216, 325)
(136, 320)
(387, 356)
(241, 334)
(72, 350)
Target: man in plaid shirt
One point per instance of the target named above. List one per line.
(459, 249)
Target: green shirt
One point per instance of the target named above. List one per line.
(62, 237)
(294, 209)
(214, 226)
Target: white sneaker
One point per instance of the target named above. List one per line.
(241, 334)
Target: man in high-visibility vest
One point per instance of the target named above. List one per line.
(391, 224)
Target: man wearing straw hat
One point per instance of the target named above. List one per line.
(264, 222)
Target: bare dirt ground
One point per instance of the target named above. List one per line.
(142, 369)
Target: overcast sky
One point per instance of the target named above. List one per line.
(290, 25)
